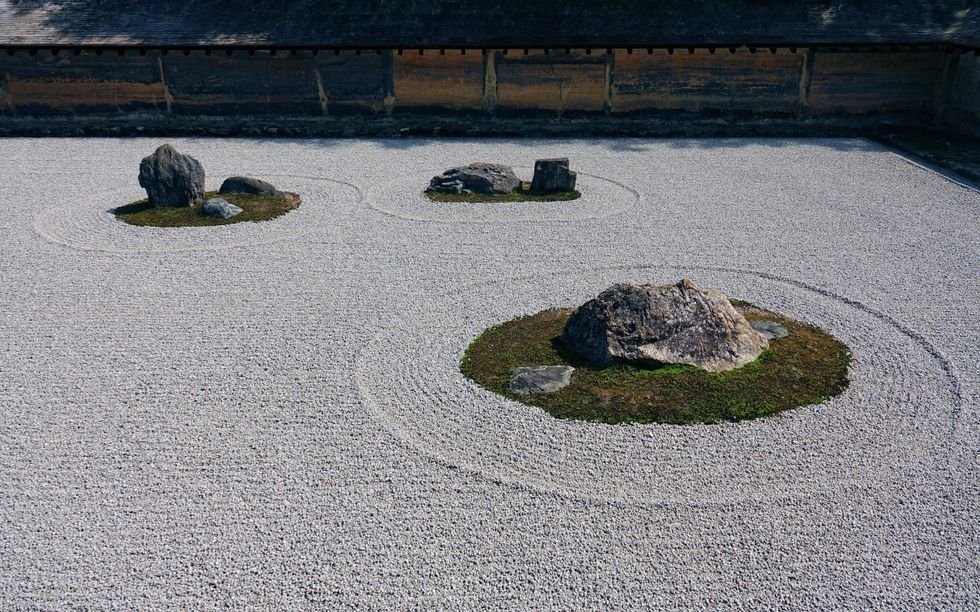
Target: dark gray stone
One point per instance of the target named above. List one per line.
(539, 379)
(770, 329)
(552, 175)
(216, 207)
(245, 184)
(172, 179)
(487, 179)
(677, 323)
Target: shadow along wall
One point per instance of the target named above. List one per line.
(537, 82)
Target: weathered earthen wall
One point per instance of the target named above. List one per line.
(86, 83)
(963, 105)
(430, 80)
(850, 83)
(554, 82)
(705, 81)
(536, 82)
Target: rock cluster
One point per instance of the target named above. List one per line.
(172, 179)
(489, 179)
(676, 323)
(552, 176)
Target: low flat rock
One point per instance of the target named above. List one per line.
(482, 178)
(248, 185)
(770, 329)
(216, 207)
(676, 323)
(539, 379)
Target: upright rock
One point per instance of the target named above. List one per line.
(249, 185)
(172, 179)
(487, 179)
(552, 176)
(677, 323)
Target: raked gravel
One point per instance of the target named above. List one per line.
(271, 415)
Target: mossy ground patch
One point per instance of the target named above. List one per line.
(521, 194)
(255, 208)
(807, 367)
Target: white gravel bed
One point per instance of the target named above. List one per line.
(271, 415)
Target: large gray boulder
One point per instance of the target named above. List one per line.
(539, 379)
(677, 323)
(217, 207)
(172, 179)
(249, 185)
(487, 179)
(552, 176)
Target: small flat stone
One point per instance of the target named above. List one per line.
(539, 379)
(217, 207)
(770, 329)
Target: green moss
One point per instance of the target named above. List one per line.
(522, 194)
(255, 208)
(807, 367)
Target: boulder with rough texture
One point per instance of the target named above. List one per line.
(172, 179)
(770, 329)
(216, 207)
(539, 379)
(487, 179)
(249, 185)
(552, 176)
(676, 323)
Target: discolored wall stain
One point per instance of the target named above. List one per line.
(854, 83)
(963, 105)
(745, 81)
(84, 83)
(353, 83)
(431, 80)
(217, 84)
(555, 81)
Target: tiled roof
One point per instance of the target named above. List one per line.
(488, 23)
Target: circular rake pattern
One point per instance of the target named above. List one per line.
(895, 413)
(87, 223)
(402, 197)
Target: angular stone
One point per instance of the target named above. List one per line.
(172, 179)
(216, 207)
(487, 179)
(677, 323)
(539, 379)
(249, 185)
(770, 329)
(552, 175)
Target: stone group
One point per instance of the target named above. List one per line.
(550, 176)
(173, 180)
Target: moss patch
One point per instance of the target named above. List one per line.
(521, 194)
(807, 367)
(255, 208)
